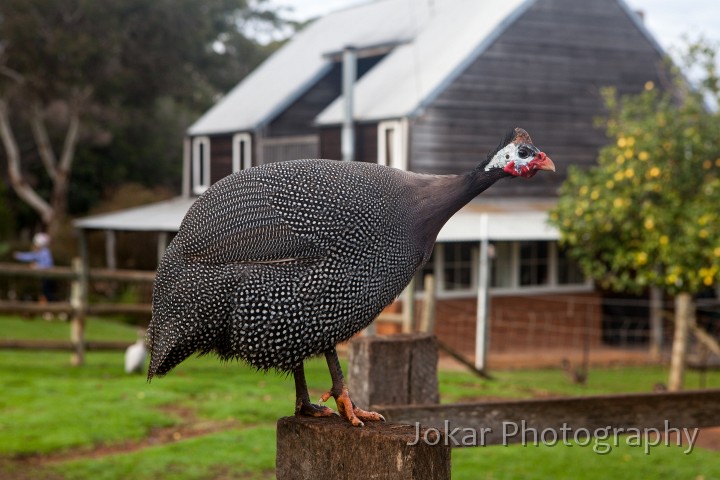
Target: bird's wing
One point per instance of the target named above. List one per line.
(248, 229)
(238, 221)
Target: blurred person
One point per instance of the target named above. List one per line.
(40, 257)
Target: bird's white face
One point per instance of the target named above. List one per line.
(520, 158)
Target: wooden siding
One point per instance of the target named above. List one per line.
(298, 118)
(543, 73)
(330, 143)
(220, 157)
(365, 142)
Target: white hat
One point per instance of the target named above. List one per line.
(41, 240)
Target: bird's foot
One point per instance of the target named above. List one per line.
(348, 410)
(311, 410)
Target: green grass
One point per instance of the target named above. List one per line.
(34, 327)
(97, 422)
(581, 463)
(241, 453)
(520, 384)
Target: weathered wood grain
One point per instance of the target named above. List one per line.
(317, 448)
(691, 409)
(394, 370)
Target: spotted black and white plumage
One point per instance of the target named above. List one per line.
(281, 262)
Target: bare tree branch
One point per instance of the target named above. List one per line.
(21, 187)
(47, 155)
(11, 74)
(71, 138)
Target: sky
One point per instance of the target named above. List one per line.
(668, 20)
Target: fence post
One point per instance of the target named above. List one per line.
(316, 448)
(78, 301)
(427, 320)
(393, 370)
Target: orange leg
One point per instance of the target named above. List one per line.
(339, 392)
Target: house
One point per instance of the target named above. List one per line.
(433, 86)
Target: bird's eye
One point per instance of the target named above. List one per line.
(523, 152)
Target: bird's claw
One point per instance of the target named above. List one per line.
(348, 410)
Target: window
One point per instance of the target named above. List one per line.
(459, 266)
(569, 272)
(534, 263)
(241, 152)
(392, 143)
(458, 263)
(502, 273)
(200, 164)
(537, 266)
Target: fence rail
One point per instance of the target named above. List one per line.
(76, 308)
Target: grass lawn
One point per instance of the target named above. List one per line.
(212, 420)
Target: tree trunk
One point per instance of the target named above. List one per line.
(684, 317)
(21, 187)
(52, 211)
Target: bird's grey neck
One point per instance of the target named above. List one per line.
(441, 196)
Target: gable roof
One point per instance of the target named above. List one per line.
(435, 38)
(414, 73)
(434, 42)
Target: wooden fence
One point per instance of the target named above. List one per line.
(416, 441)
(77, 307)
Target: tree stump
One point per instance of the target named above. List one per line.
(315, 448)
(394, 370)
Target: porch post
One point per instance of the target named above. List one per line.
(349, 75)
(483, 306)
(162, 241)
(110, 249)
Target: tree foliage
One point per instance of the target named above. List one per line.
(112, 84)
(647, 214)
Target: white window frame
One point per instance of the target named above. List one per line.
(515, 288)
(399, 156)
(241, 143)
(551, 286)
(200, 182)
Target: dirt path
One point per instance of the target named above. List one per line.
(189, 426)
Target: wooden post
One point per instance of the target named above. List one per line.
(162, 243)
(394, 370)
(78, 301)
(408, 310)
(316, 448)
(684, 309)
(110, 249)
(427, 320)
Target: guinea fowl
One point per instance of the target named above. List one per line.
(281, 262)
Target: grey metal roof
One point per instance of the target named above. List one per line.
(155, 217)
(437, 38)
(507, 219)
(414, 73)
(512, 219)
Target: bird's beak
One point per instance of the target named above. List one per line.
(543, 162)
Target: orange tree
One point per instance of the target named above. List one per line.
(648, 215)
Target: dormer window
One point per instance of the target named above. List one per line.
(200, 164)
